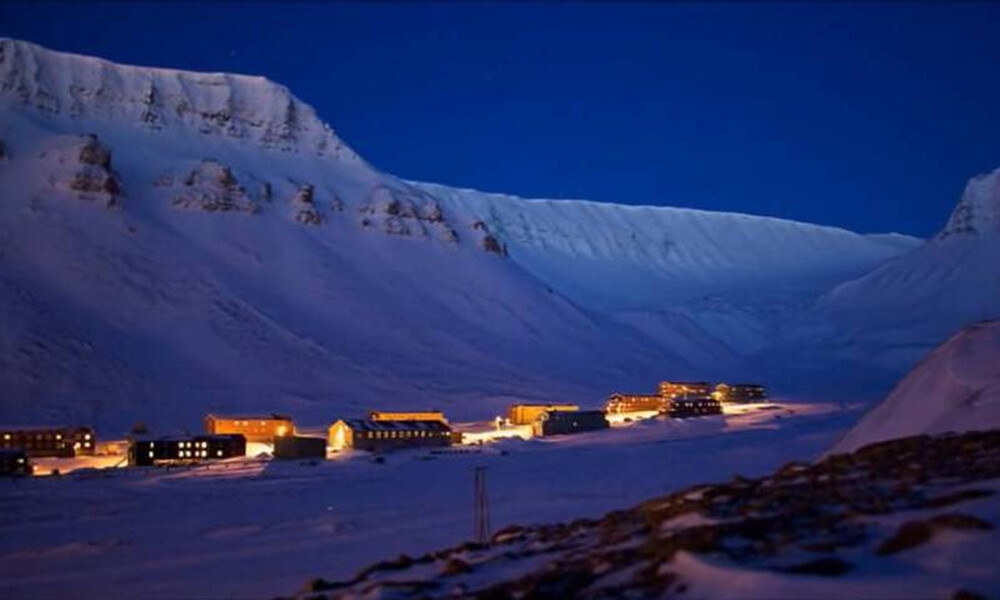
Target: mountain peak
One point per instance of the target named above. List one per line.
(248, 108)
(978, 211)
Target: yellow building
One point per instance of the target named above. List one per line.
(255, 428)
(673, 389)
(526, 414)
(426, 415)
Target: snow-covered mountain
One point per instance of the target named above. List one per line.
(905, 307)
(955, 389)
(175, 242)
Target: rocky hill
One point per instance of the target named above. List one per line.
(912, 517)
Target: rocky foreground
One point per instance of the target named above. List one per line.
(822, 521)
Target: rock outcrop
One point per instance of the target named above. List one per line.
(304, 206)
(405, 212)
(213, 187)
(488, 241)
(978, 212)
(82, 166)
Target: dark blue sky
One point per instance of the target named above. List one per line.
(865, 116)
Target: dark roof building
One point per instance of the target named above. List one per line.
(299, 447)
(150, 451)
(14, 462)
(379, 436)
(563, 422)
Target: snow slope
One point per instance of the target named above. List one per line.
(216, 247)
(956, 388)
(904, 308)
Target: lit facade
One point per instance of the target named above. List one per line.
(255, 428)
(427, 415)
(628, 403)
(14, 462)
(526, 414)
(64, 442)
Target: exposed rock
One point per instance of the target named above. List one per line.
(90, 173)
(305, 208)
(766, 523)
(213, 187)
(405, 212)
(488, 241)
(916, 533)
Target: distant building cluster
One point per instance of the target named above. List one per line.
(227, 436)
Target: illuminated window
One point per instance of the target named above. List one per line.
(218, 452)
(86, 436)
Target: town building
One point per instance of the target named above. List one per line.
(672, 389)
(151, 451)
(694, 406)
(255, 428)
(630, 403)
(64, 442)
(527, 414)
(14, 462)
(427, 415)
(740, 392)
(382, 436)
(299, 447)
(557, 422)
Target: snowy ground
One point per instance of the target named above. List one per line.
(256, 528)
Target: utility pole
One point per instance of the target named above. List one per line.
(481, 508)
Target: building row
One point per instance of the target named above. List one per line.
(226, 436)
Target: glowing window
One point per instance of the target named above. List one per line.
(218, 452)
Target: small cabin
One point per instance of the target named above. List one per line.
(740, 392)
(381, 436)
(299, 447)
(526, 414)
(255, 428)
(672, 389)
(151, 451)
(557, 422)
(14, 462)
(630, 403)
(61, 442)
(694, 406)
(427, 415)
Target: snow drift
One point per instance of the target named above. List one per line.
(955, 389)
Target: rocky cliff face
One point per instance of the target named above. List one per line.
(234, 106)
(978, 212)
(779, 535)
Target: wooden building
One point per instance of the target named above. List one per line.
(527, 414)
(740, 392)
(255, 428)
(381, 436)
(557, 422)
(630, 403)
(427, 415)
(151, 451)
(64, 442)
(299, 447)
(673, 389)
(14, 462)
(694, 406)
